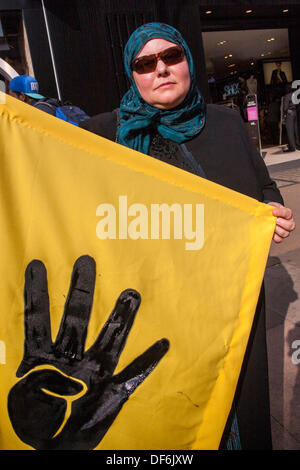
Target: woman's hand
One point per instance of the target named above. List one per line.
(285, 222)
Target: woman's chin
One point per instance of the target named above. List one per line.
(168, 103)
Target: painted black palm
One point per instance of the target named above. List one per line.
(37, 404)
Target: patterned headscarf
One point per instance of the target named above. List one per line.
(138, 118)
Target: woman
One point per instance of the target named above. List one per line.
(163, 115)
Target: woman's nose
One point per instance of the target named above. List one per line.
(161, 67)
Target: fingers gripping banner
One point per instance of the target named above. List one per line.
(127, 296)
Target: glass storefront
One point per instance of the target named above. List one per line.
(248, 65)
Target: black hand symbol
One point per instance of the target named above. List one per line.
(72, 404)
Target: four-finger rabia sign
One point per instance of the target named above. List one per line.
(127, 296)
(105, 393)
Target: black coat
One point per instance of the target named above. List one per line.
(228, 157)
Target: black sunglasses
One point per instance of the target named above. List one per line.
(147, 63)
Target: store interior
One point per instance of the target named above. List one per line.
(241, 63)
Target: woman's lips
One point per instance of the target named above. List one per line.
(165, 85)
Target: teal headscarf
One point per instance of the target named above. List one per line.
(138, 118)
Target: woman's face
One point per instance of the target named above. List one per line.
(167, 86)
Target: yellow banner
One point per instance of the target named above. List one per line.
(141, 347)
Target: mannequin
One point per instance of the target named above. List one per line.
(252, 85)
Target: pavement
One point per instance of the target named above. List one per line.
(282, 283)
